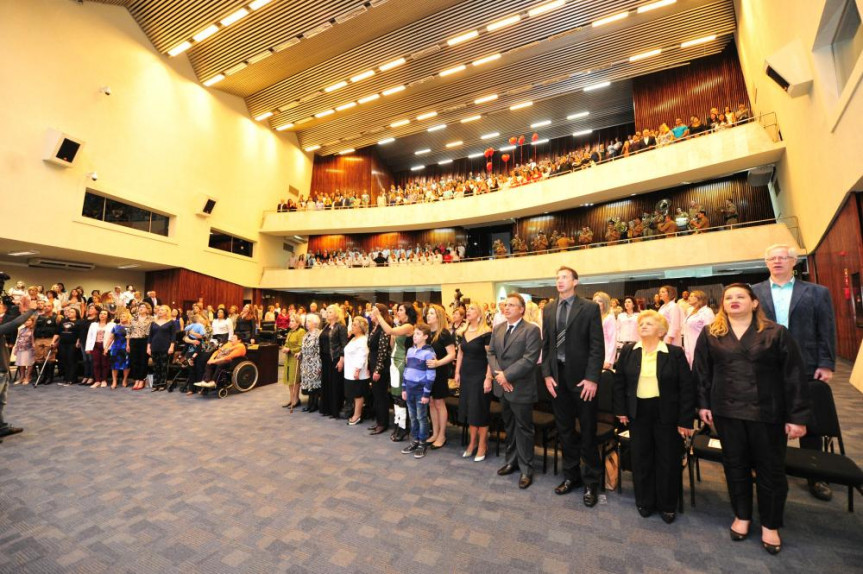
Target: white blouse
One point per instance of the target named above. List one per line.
(357, 357)
(627, 327)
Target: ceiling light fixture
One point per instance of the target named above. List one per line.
(486, 60)
(234, 69)
(463, 38)
(258, 4)
(437, 128)
(287, 44)
(582, 133)
(610, 19)
(179, 49)
(392, 91)
(362, 76)
(655, 5)
(507, 148)
(347, 151)
(258, 57)
(426, 115)
(597, 86)
(540, 124)
(485, 99)
(22, 253)
(422, 151)
(346, 106)
(454, 144)
(129, 266)
(444, 162)
(578, 115)
(205, 33)
(385, 141)
(391, 65)
(475, 155)
(214, 80)
(399, 123)
(335, 87)
(545, 8)
(520, 106)
(644, 55)
(417, 167)
(452, 70)
(539, 142)
(368, 99)
(489, 136)
(284, 127)
(503, 23)
(470, 119)
(704, 40)
(238, 15)
(313, 148)
(263, 116)
(325, 113)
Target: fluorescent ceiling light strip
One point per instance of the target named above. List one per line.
(470, 119)
(452, 70)
(214, 80)
(582, 133)
(205, 33)
(597, 86)
(489, 136)
(368, 99)
(698, 41)
(391, 65)
(539, 142)
(234, 69)
(346, 106)
(335, 87)
(545, 8)
(179, 49)
(238, 15)
(579, 115)
(392, 91)
(284, 127)
(454, 144)
(263, 116)
(463, 38)
(475, 155)
(426, 115)
(325, 113)
(655, 5)
(385, 141)
(347, 151)
(437, 127)
(417, 167)
(399, 123)
(486, 60)
(285, 45)
(485, 99)
(644, 55)
(362, 76)
(610, 19)
(540, 124)
(444, 162)
(258, 57)
(507, 148)
(520, 106)
(503, 23)
(313, 147)
(422, 151)
(258, 4)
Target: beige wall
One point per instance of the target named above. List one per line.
(102, 279)
(160, 140)
(822, 161)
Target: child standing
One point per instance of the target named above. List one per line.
(418, 381)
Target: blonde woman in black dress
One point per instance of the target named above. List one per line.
(473, 375)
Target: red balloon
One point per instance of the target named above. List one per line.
(520, 140)
(534, 137)
(512, 140)
(505, 157)
(489, 152)
(488, 166)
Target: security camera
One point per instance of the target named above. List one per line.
(106, 90)
(93, 175)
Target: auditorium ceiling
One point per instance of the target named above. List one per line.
(346, 74)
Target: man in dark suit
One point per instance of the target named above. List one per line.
(151, 299)
(572, 358)
(807, 311)
(512, 356)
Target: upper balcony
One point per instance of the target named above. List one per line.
(716, 155)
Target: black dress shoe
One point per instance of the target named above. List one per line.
(373, 427)
(590, 498)
(821, 491)
(10, 430)
(567, 486)
(668, 517)
(644, 511)
(525, 481)
(378, 430)
(507, 469)
(305, 409)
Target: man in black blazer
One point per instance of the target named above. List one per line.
(573, 354)
(807, 311)
(151, 299)
(512, 355)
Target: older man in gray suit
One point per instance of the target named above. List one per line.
(512, 356)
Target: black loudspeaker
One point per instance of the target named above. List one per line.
(62, 149)
(209, 205)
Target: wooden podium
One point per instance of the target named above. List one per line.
(266, 358)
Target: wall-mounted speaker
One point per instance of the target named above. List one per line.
(789, 67)
(62, 149)
(760, 176)
(209, 206)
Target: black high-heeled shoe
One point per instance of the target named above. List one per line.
(737, 536)
(772, 549)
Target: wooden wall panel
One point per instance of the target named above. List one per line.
(714, 81)
(361, 170)
(841, 249)
(175, 286)
(370, 241)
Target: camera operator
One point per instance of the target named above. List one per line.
(10, 326)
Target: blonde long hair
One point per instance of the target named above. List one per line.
(719, 326)
(606, 302)
(481, 325)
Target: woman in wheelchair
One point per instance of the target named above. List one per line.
(222, 358)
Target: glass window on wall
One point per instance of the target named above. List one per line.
(119, 213)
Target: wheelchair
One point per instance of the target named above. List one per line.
(241, 375)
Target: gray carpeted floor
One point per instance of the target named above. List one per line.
(123, 481)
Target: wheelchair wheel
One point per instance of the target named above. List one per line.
(223, 392)
(244, 377)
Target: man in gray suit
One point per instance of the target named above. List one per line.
(806, 310)
(512, 356)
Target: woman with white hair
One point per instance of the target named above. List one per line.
(310, 362)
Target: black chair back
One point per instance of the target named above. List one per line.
(825, 420)
(605, 392)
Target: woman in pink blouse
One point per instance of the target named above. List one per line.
(627, 322)
(673, 314)
(609, 327)
(700, 317)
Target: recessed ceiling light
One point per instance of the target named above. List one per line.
(539, 142)
(385, 141)
(417, 167)
(520, 106)
(179, 49)
(470, 119)
(362, 76)
(437, 127)
(335, 87)
(312, 148)
(698, 41)
(214, 80)
(234, 69)
(391, 65)
(230, 19)
(426, 115)
(539, 10)
(258, 3)
(347, 151)
(582, 133)
(597, 86)
(489, 136)
(579, 115)
(400, 123)
(205, 33)
(286, 44)
(610, 19)
(454, 144)
(444, 162)
(475, 155)
(368, 99)
(392, 91)
(346, 106)
(463, 38)
(503, 23)
(263, 116)
(454, 70)
(22, 253)
(655, 5)
(486, 60)
(284, 127)
(129, 266)
(325, 113)
(422, 151)
(540, 124)
(485, 99)
(258, 57)
(507, 148)
(644, 55)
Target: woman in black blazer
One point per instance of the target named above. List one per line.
(338, 340)
(654, 393)
(753, 389)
